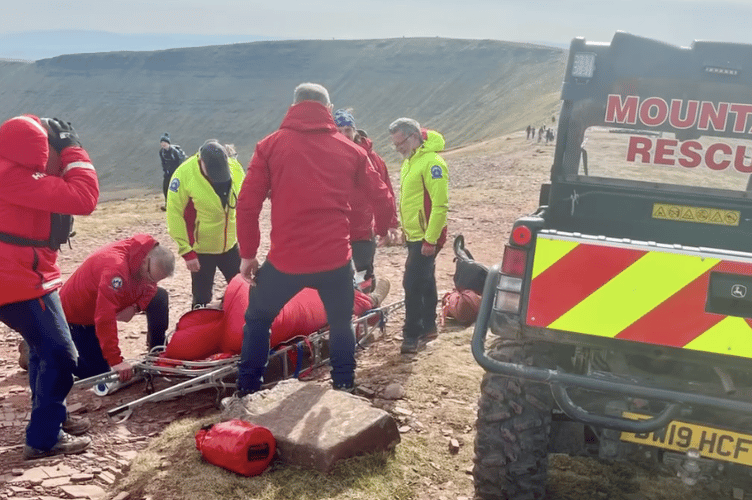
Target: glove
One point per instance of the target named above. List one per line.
(61, 134)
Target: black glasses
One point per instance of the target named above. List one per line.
(399, 144)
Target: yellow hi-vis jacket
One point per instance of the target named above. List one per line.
(196, 219)
(424, 192)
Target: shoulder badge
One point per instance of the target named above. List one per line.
(436, 172)
(117, 283)
(174, 185)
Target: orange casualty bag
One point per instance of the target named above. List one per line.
(237, 445)
(197, 335)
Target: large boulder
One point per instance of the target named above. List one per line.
(316, 426)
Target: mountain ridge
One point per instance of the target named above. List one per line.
(122, 102)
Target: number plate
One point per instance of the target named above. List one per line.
(717, 444)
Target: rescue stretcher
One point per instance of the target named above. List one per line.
(294, 358)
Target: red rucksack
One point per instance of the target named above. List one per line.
(460, 305)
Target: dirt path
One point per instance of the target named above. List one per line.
(492, 183)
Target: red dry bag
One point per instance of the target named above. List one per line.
(237, 445)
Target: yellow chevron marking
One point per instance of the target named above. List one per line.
(730, 336)
(548, 251)
(634, 292)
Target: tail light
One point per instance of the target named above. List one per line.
(515, 260)
(509, 289)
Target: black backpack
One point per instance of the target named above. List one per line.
(61, 230)
(180, 152)
(468, 274)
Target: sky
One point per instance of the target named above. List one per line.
(555, 21)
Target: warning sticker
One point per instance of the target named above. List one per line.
(701, 215)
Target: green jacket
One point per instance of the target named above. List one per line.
(196, 219)
(424, 192)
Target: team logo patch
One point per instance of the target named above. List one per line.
(436, 172)
(174, 185)
(117, 282)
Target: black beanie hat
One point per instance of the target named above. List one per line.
(165, 138)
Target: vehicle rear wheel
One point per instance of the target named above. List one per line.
(512, 433)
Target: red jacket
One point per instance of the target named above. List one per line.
(27, 197)
(309, 170)
(104, 284)
(361, 217)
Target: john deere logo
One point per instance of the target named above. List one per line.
(739, 291)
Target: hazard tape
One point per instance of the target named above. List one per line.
(633, 293)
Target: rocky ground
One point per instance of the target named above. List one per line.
(491, 184)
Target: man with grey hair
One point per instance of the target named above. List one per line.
(113, 284)
(309, 171)
(423, 206)
(311, 92)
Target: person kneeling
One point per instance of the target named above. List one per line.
(113, 284)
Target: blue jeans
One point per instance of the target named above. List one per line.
(52, 360)
(421, 296)
(272, 291)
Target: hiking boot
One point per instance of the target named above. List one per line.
(23, 355)
(410, 346)
(349, 388)
(66, 445)
(380, 292)
(76, 425)
(430, 335)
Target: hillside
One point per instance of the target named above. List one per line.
(122, 102)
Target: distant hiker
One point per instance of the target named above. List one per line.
(310, 171)
(549, 135)
(172, 156)
(423, 206)
(528, 129)
(31, 149)
(362, 236)
(116, 282)
(201, 205)
(540, 132)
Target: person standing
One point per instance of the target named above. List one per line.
(423, 206)
(113, 284)
(171, 156)
(309, 170)
(362, 236)
(30, 277)
(201, 205)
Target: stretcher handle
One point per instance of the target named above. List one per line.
(106, 377)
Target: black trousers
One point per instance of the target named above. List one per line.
(363, 253)
(90, 358)
(202, 281)
(166, 182)
(421, 296)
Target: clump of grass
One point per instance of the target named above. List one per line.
(171, 468)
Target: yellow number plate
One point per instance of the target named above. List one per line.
(717, 444)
